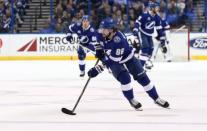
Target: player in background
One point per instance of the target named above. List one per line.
(117, 55)
(86, 35)
(163, 36)
(144, 31)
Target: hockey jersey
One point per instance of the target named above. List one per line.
(162, 31)
(146, 23)
(117, 49)
(87, 37)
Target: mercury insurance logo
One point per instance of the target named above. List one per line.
(31, 46)
(48, 44)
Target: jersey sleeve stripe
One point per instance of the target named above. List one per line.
(115, 59)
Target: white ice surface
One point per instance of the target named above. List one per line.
(32, 94)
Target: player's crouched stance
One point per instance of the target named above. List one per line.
(119, 58)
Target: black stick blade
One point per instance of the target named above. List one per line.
(66, 111)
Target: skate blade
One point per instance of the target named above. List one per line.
(139, 109)
(163, 107)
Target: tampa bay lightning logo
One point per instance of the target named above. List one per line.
(150, 25)
(117, 39)
(84, 39)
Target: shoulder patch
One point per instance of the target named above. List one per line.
(117, 39)
(78, 24)
(92, 30)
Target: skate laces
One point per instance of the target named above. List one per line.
(134, 102)
(82, 72)
(160, 101)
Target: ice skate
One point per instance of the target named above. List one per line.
(137, 105)
(167, 58)
(148, 65)
(162, 103)
(82, 73)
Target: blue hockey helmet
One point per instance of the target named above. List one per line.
(152, 5)
(85, 17)
(108, 23)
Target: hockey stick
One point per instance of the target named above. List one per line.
(71, 112)
(181, 28)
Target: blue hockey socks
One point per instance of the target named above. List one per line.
(148, 87)
(128, 94)
(153, 93)
(82, 67)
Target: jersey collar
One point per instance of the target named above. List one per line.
(87, 28)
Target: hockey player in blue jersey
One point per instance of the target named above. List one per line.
(86, 37)
(117, 55)
(144, 30)
(163, 37)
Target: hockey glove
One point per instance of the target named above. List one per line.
(99, 51)
(157, 38)
(136, 45)
(69, 37)
(93, 72)
(163, 48)
(136, 32)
